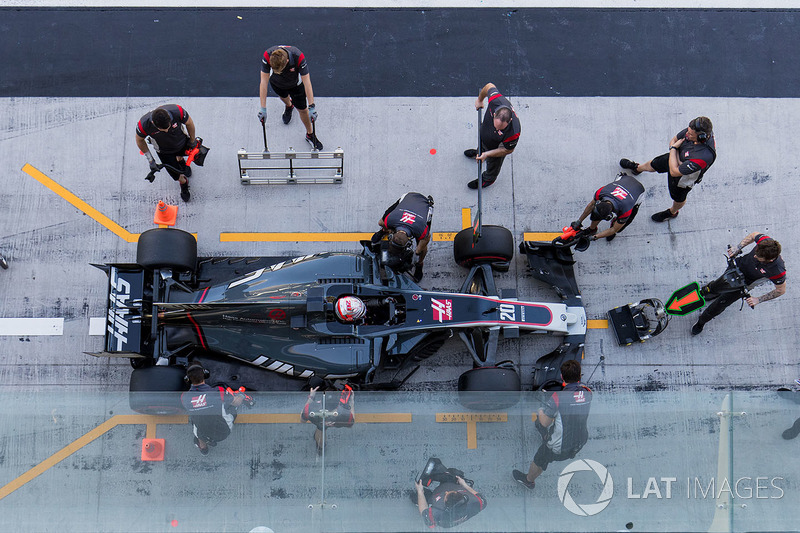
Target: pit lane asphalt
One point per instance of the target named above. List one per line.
(569, 148)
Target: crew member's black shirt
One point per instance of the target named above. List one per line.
(412, 212)
(754, 270)
(570, 410)
(490, 137)
(624, 194)
(169, 142)
(695, 159)
(439, 515)
(295, 68)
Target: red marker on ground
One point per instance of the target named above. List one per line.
(433, 151)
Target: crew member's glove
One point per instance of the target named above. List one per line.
(575, 225)
(151, 162)
(192, 144)
(312, 112)
(262, 114)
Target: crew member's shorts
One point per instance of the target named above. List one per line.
(544, 456)
(661, 165)
(298, 94)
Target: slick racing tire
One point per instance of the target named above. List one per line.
(489, 388)
(167, 248)
(496, 247)
(156, 390)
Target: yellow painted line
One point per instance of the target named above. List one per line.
(79, 204)
(57, 457)
(534, 236)
(293, 237)
(153, 421)
(597, 324)
(466, 217)
(472, 420)
(269, 418)
(384, 418)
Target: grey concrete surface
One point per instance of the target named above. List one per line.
(569, 147)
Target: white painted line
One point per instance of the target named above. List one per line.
(97, 326)
(418, 4)
(31, 326)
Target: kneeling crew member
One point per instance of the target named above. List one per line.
(618, 202)
(409, 217)
(763, 263)
(450, 504)
(211, 409)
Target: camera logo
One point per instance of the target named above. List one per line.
(586, 509)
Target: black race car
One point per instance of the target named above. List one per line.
(279, 314)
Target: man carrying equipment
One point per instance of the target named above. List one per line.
(284, 68)
(499, 134)
(164, 125)
(763, 263)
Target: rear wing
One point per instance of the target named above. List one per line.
(125, 312)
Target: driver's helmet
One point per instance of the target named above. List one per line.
(350, 308)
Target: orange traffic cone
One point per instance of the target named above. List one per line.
(165, 214)
(152, 449)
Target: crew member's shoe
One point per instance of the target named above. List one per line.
(313, 141)
(203, 451)
(287, 114)
(472, 153)
(697, 328)
(522, 479)
(611, 237)
(661, 216)
(485, 182)
(417, 274)
(630, 165)
(793, 431)
(185, 194)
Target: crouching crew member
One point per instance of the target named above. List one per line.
(211, 409)
(409, 217)
(617, 202)
(340, 414)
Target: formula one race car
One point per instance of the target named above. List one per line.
(282, 314)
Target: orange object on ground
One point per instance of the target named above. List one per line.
(152, 449)
(165, 214)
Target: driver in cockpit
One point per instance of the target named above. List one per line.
(353, 310)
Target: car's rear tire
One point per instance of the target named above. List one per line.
(155, 390)
(167, 248)
(496, 247)
(489, 388)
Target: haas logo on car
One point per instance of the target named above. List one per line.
(117, 324)
(442, 309)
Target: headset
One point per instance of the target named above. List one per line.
(702, 135)
(192, 366)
